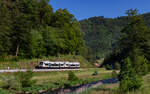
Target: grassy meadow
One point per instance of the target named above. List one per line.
(54, 80)
(85, 74)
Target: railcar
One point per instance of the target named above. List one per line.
(58, 65)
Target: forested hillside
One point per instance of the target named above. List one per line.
(31, 29)
(101, 34)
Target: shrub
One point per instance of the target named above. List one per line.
(117, 66)
(108, 67)
(114, 74)
(2, 91)
(72, 80)
(25, 78)
(72, 76)
(141, 65)
(95, 73)
(10, 82)
(129, 80)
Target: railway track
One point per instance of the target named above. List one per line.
(34, 70)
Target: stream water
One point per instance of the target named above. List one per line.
(81, 88)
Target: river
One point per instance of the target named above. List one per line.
(81, 88)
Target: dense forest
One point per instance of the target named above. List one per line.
(102, 34)
(124, 42)
(31, 29)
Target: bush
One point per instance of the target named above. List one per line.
(108, 67)
(72, 76)
(114, 74)
(2, 91)
(10, 82)
(129, 79)
(25, 78)
(72, 80)
(95, 73)
(117, 66)
(141, 65)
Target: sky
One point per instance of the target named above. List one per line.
(83, 9)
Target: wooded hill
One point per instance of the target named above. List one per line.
(101, 34)
(31, 29)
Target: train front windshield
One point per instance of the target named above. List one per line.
(41, 63)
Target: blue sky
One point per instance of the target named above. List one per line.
(83, 9)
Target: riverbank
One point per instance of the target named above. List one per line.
(114, 88)
(82, 88)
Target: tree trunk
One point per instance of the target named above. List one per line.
(17, 50)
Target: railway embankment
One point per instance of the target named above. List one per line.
(18, 63)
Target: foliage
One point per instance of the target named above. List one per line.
(37, 45)
(72, 76)
(95, 73)
(134, 48)
(25, 79)
(108, 67)
(117, 66)
(134, 43)
(129, 80)
(102, 34)
(10, 83)
(36, 31)
(114, 74)
(2, 91)
(141, 65)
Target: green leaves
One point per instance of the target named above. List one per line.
(35, 30)
(25, 78)
(132, 44)
(130, 80)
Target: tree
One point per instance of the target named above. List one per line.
(62, 17)
(135, 36)
(139, 62)
(22, 22)
(45, 12)
(132, 48)
(36, 45)
(5, 28)
(29, 28)
(53, 41)
(117, 66)
(70, 27)
(129, 79)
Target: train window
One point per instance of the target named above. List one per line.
(46, 64)
(61, 64)
(41, 63)
(55, 64)
(72, 65)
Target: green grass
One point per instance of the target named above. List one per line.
(51, 80)
(82, 74)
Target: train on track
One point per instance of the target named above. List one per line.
(58, 65)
